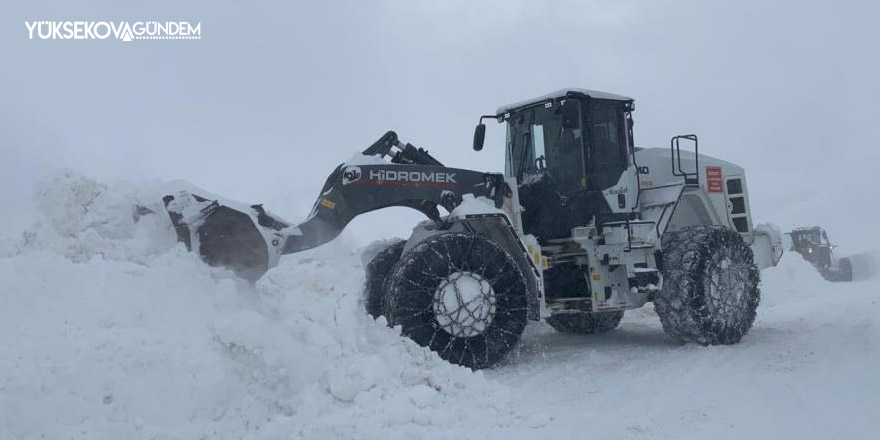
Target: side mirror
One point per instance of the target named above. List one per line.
(479, 136)
(570, 113)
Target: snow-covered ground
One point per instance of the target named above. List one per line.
(111, 330)
(806, 370)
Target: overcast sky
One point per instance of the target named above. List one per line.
(276, 94)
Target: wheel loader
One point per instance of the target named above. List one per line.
(581, 226)
(812, 243)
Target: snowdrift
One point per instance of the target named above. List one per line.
(110, 329)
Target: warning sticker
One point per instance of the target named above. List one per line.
(714, 180)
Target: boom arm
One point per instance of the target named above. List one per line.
(352, 190)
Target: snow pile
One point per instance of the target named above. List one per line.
(110, 329)
(83, 219)
(475, 205)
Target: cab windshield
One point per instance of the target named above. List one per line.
(538, 144)
(813, 236)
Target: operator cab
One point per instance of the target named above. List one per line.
(810, 236)
(581, 139)
(564, 149)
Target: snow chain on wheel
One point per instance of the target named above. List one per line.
(377, 272)
(462, 296)
(710, 286)
(585, 323)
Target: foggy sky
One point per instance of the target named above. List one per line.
(276, 94)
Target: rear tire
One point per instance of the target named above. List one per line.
(462, 296)
(585, 323)
(710, 289)
(377, 272)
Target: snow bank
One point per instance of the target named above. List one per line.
(110, 329)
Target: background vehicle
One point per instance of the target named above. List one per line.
(812, 243)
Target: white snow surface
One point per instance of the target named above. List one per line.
(475, 205)
(109, 329)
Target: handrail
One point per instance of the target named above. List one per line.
(675, 148)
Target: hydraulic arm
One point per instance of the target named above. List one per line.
(249, 239)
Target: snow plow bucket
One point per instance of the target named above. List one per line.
(246, 240)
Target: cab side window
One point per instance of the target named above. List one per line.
(608, 149)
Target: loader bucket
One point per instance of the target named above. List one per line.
(223, 236)
(229, 238)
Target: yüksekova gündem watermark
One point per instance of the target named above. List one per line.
(123, 30)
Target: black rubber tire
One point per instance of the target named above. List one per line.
(585, 323)
(377, 272)
(416, 278)
(693, 260)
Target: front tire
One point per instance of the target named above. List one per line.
(710, 289)
(377, 272)
(462, 296)
(585, 323)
